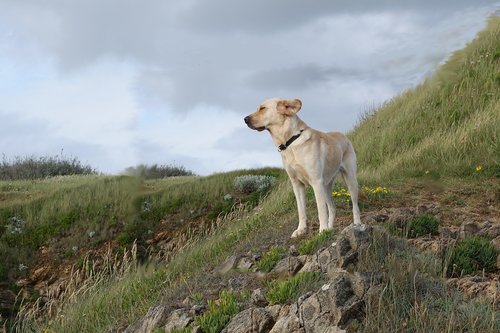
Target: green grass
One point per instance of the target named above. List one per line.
(421, 225)
(270, 259)
(445, 127)
(309, 246)
(471, 255)
(414, 296)
(287, 291)
(219, 314)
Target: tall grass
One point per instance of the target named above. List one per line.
(156, 171)
(447, 126)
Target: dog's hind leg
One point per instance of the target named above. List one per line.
(330, 204)
(348, 172)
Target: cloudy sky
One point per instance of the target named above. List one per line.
(122, 82)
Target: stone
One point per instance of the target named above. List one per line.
(310, 263)
(292, 251)
(258, 297)
(469, 229)
(244, 264)
(227, 265)
(178, 320)
(290, 265)
(156, 317)
(400, 216)
(256, 320)
(288, 321)
(274, 310)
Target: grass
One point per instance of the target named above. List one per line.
(219, 314)
(471, 255)
(270, 259)
(309, 246)
(414, 296)
(421, 225)
(287, 291)
(445, 127)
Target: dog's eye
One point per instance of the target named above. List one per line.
(262, 108)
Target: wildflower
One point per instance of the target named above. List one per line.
(22, 267)
(91, 234)
(74, 248)
(427, 172)
(228, 197)
(479, 168)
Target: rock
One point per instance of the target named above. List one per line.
(198, 308)
(292, 251)
(156, 317)
(244, 264)
(178, 320)
(7, 300)
(250, 320)
(227, 265)
(274, 310)
(258, 297)
(376, 217)
(310, 263)
(288, 321)
(478, 286)
(449, 232)
(469, 229)
(290, 265)
(493, 231)
(400, 216)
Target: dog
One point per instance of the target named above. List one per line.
(310, 157)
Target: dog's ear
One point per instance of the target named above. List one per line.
(289, 107)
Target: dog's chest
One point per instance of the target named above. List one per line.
(295, 167)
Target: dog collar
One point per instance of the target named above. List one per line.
(283, 147)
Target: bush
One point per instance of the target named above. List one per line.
(156, 171)
(252, 183)
(42, 167)
(270, 259)
(471, 255)
(309, 246)
(423, 224)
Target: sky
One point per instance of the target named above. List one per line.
(117, 83)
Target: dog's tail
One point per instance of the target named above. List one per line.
(362, 196)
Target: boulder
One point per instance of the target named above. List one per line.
(289, 265)
(256, 320)
(178, 319)
(156, 317)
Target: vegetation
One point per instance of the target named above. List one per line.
(414, 297)
(309, 246)
(156, 171)
(471, 255)
(219, 314)
(421, 225)
(445, 127)
(42, 167)
(287, 291)
(270, 259)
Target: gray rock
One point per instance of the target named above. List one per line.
(244, 264)
(290, 265)
(274, 310)
(469, 229)
(310, 263)
(178, 319)
(292, 251)
(156, 317)
(288, 321)
(227, 265)
(258, 297)
(256, 320)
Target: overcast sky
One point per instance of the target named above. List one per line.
(121, 82)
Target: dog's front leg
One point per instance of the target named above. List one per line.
(299, 189)
(321, 194)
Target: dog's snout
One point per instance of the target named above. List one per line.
(247, 119)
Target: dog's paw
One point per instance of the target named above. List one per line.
(298, 233)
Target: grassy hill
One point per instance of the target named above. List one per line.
(120, 245)
(447, 126)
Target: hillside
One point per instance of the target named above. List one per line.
(103, 254)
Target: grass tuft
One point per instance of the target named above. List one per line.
(471, 255)
(219, 313)
(270, 259)
(309, 246)
(287, 291)
(421, 225)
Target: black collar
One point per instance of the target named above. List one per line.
(282, 147)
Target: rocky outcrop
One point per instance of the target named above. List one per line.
(340, 300)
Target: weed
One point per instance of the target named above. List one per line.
(286, 291)
(219, 313)
(471, 255)
(423, 224)
(270, 258)
(253, 183)
(309, 246)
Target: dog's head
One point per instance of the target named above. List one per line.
(273, 112)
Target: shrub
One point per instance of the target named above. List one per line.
(470, 255)
(270, 258)
(285, 291)
(423, 224)
(42, 167)
(219, 313)
(252, 183)
(156, 171)
(309, 246)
